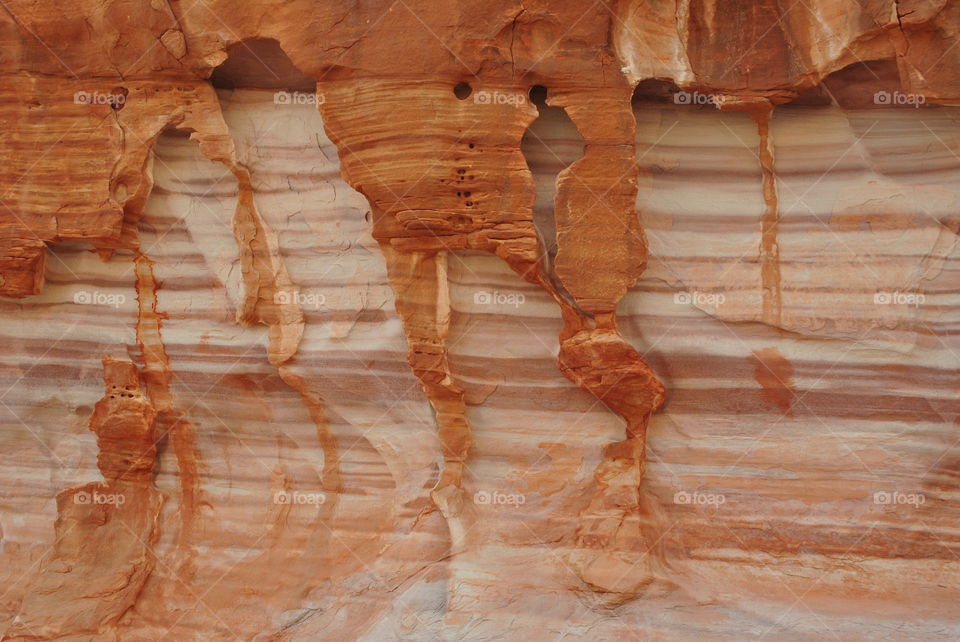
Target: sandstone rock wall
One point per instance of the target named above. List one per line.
(479, 320)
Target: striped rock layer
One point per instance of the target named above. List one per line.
(479, 320)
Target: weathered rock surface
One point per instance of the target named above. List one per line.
(479, 320)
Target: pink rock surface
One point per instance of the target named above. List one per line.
(479, 320)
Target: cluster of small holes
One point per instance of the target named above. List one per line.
(463, 194)
(125, 393)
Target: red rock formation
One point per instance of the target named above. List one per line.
(398, 173)
(105, 531)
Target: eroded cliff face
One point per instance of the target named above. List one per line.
(481, 319)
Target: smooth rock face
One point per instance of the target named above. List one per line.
(480, 320)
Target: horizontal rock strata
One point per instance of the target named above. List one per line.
(479, 320)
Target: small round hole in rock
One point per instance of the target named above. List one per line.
(119, 97)
(538, 95)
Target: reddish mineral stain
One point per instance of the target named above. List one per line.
(774, 374)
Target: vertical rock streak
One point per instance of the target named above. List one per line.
(769, 248)
(597, 225)
(181, 431)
